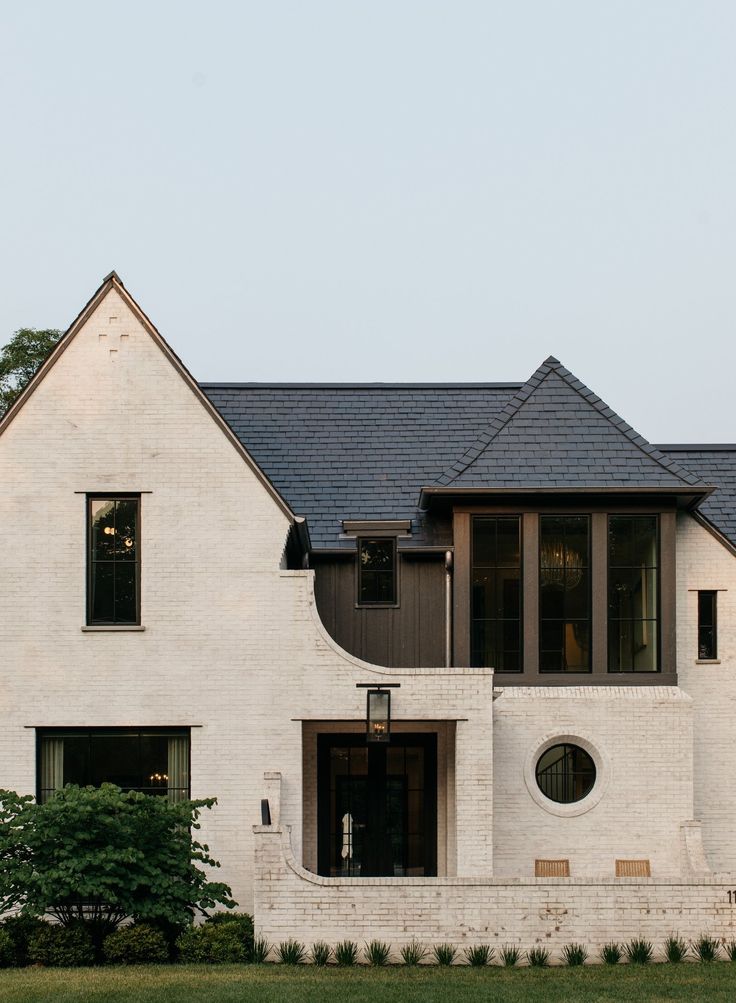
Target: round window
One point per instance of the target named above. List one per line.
(565, 773)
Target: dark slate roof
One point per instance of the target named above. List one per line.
(715, 464)
(556, 433)
(355, 451)
(364, 451)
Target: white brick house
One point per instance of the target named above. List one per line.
(200, 583)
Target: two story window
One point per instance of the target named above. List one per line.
(574, 578)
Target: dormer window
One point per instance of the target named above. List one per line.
(377, 572)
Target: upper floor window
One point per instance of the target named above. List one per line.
(377, 572)
(113, 584)
(564, 593)
(496, 593)
(633, 593)
(707, 626)
(154, 761)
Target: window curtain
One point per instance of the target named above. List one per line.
(52, 766)
(178, 768)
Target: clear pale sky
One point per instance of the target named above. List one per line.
(390, 191)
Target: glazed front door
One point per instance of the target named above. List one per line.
(377, 806)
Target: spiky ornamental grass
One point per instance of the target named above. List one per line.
(638, 951)
(675, 949)
(538, 957)
(377, 953)
(730, 949)
(444, 954)
(291, 952)
(414, 953)
(321, 954)
(574, 955)
(705, 948)
(261, 950)
(346, 953)
(611, 953)
(510, 955)
(479, 955)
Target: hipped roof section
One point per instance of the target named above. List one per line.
(114, 282)
(555, 433)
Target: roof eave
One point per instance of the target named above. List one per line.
(685, 496)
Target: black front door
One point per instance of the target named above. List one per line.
(377, 806)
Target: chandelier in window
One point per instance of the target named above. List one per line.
(561, 567)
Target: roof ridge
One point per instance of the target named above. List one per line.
(552, 364)
(266, 385)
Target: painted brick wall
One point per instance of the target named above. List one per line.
(232, 645)
(703, 563)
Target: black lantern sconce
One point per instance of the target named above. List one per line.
(378, 711)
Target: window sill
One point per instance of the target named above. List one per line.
(116, 628)
(707, 661)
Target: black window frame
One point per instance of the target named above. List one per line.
(108, 732)
(588, 569)
(712, 596)
(361, 603)
(475, 659)
(112, 496)
(657, 618)
(571, 753)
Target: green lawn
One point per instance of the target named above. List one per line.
(279, 984)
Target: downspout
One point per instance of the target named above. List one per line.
(448, 608)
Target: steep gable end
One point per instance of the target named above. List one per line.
(111, 343)
(556, 433)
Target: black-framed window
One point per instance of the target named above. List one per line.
(708, 625)
(564, 593)
(377, 572)
(150, 760)
(565, 773)
(113, 559)
(496, 593)
(633, 593)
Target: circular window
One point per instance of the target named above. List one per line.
(565, 773)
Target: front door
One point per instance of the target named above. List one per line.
(377, 806)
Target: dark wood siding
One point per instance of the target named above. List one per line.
(409, 635)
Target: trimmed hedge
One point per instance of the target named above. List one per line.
(140, 944)
(61, 947)
(213, 943)
(19, 929)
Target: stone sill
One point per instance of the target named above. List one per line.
(707, 661)
(114, 628)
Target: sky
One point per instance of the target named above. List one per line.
(396, 191)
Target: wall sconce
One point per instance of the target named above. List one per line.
(378, 711)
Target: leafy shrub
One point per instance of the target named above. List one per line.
(7, 950)
(244, 923)
(212, 943)
(346, 953)
(444, 954)
(413, 953)
(510, 955)
(730, 948)
(479, 955)
(574, 954)
(377, 953)
(638, 951)
(20, 929)
(62, 946)
(291, 952)
(675, 949)
(141, 944)
(611, 953)
(706, 949)
(261, 950)
(538, 957)
(321, 954)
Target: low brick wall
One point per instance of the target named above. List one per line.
(293, 902)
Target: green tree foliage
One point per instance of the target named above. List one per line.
(101, 855)
(20, 359)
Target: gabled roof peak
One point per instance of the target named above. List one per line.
(113, 275)
(555, 432)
